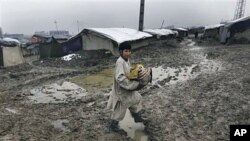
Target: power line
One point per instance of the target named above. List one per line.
(162, 24)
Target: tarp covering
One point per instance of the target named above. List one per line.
(230, 23)
(51, 49)
(11, 40)
(181, 32)
(72, 45)
(120, 34)
(237, 26)
(240, 26)
(213, 26)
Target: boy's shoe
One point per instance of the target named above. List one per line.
(138, 116)
(114, 126)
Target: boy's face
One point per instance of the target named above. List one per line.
(126, 53)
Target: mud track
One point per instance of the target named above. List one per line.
(199, 104)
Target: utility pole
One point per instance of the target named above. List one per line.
(78, 25)
(162, 24)
(141, 15)
(240, 9)
(56, 26)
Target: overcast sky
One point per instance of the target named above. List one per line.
(28, 16)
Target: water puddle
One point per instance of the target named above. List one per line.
(195, 48)
(135, 130)
(190, 43)
(56, 93)
(100, 80)
(59, 124)
(172, 75)
(11, 110)
(169, 76)
(210, 66)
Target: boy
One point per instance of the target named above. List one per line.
(124, 94)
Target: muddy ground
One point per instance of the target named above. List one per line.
(206, 89)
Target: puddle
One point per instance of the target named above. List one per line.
(191, 43)
(173, 75)
(59, 124)
(195, 48)
(56, 93)
(135, 130)
(188, 42)
(11, 110)
(101, 80)
(210, 66)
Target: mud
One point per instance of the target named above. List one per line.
(198, 90)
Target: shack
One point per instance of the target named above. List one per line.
(212, 32)
(237, 31)
(110, 38)
(10, 54)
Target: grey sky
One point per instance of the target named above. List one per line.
(28, 16)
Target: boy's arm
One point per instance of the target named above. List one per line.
(122, 79)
